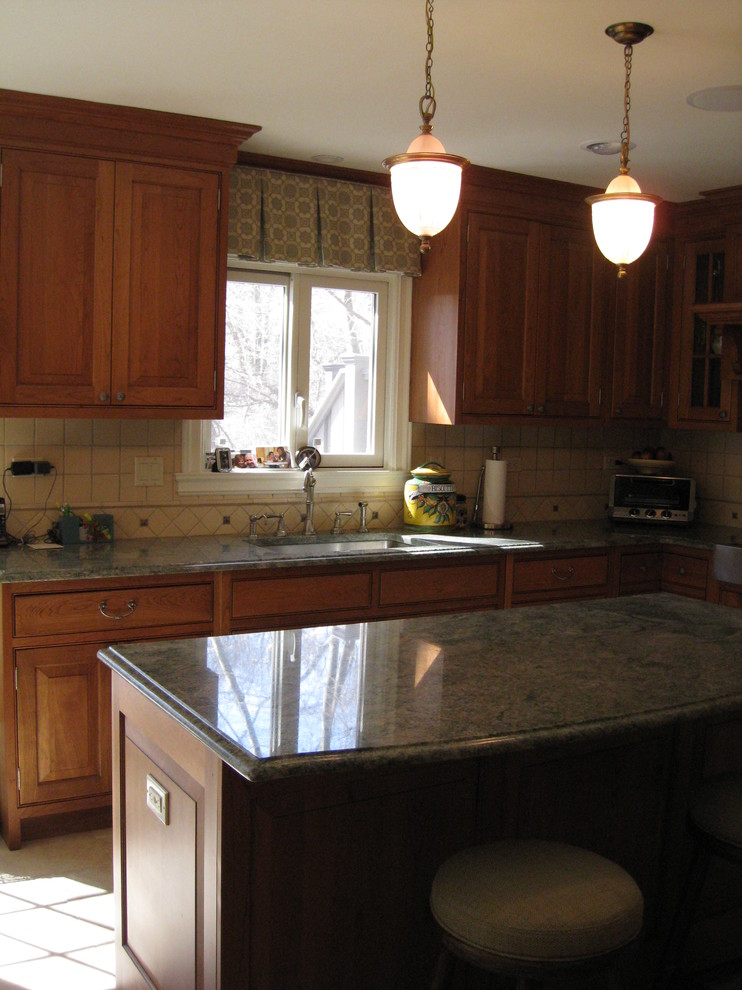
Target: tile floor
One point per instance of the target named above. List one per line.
(56, 914)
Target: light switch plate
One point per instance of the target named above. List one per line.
(148, 471)
(158, 799)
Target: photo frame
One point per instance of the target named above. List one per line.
(278, 456)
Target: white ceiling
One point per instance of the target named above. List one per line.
(520, 84)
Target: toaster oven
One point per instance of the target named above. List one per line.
(652, 499)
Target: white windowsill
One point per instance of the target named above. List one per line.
(279, 480)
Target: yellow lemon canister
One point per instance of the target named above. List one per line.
(429, 497)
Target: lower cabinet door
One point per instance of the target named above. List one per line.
(64, 723)
(160, 924)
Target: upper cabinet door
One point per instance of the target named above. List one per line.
(705, 392)
(638, 379)
(568, 359)
(501, 315)
(56, 235)
(165, 290)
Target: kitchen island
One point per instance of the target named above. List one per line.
(282, 799)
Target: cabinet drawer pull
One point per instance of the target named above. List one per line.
(103, 397)
(120, 396)
(563, 577)
(131, 605)
(681, 571)
(541, 409)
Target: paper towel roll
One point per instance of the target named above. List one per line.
(493, 502)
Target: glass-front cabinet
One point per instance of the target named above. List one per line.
(706, 394)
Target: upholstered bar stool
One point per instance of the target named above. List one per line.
(531, 909)
(714, 814)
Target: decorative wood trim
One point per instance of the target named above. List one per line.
(53, 122)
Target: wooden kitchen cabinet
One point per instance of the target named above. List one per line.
(640, 571)
(507, 321)
(638, 369)
(706, 395)
(55, 750)
(441, 588)
(500, 316)
(112, 259)
(558, 577)
(298, 597)
(64, 724)
(302, 596)
(685, 571)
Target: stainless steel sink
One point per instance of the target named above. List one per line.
(327, 546)
(319, 547)
(474, 542)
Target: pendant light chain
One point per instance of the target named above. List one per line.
(426, 181)
(427, 100)
(625, 133)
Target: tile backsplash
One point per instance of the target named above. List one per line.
(553, 473)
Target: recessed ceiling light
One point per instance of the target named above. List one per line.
(328, 159)
(728, 98)
(605, 147)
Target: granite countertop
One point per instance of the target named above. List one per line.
(280, 703)
(128, 558)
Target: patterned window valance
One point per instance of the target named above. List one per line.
(306, 220)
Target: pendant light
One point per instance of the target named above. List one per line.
(623, 216)
(426, 181)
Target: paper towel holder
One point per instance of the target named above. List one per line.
(477, 520)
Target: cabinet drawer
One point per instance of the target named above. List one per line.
(273, 597)
(640, 572)
(441, 587)
(551, 578)
(113, 611)
(685, 573)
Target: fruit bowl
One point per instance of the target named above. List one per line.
(645, 465)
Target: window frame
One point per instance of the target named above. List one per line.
(194, 479)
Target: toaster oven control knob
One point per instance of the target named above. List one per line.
(633, 512)
(666, 514)
(650, 513)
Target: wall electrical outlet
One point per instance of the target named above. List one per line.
(21, 467)
(158, 799)
(148, 471)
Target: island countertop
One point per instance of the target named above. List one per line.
(280, 703)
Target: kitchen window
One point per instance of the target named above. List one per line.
(316, 358)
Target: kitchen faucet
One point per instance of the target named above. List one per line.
(338, 526)
(362, 527)
(309, 482)
(280, 525)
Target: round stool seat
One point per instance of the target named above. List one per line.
(536, 901)
(717, 810)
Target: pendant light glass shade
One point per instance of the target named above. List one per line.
(426, 183)
(623, 216)
(622, 220)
